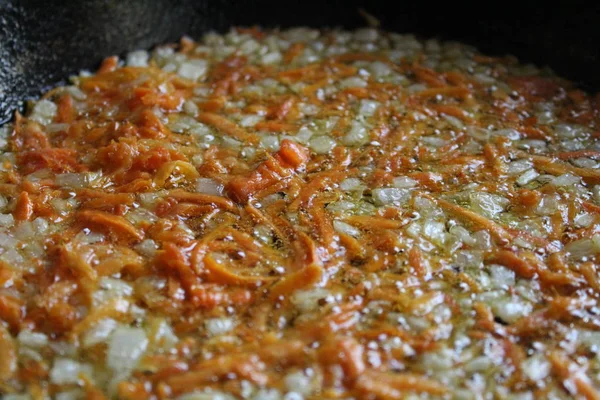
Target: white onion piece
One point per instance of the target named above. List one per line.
(322, 144)
(44, 112)
(342, 227)
(368, 107)
(527, 177)
(32, 339)
(404, 182)
(65, 371)
(209, 186)
(357, 136)
(566, 180)
(518, 166)
(6, 220)
(125, 348)
(137, 58)
(351, 82)
(308, 300)
(350, 184)
(100, 332)
(219, 326)
(387, 196)
(193, 69)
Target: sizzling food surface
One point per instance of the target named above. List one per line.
(302, 215)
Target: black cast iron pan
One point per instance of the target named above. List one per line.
(43, 42)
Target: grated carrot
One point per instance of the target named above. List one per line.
(113, 223)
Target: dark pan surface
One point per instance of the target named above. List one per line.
(42, 43)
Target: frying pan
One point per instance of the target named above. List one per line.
(43, 42)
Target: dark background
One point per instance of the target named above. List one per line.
(43, 42)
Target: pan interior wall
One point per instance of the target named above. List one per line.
(42, 43)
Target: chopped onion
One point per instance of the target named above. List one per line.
(208, 394)
(548, 205)
(404, 182)
(482, 240)
(138, 58)
(536, 367)
(270, 142)
(511, 310)
(273, 57)
(516, 167)
(366, 34)
(100, 332)
(209, 186)
(147, 247)
(297, 382)
(566, 180)
(24, 231)
(250, 120)
(351, 184)
(387, 196)
(193, 69)
(72, 180)
(584, 162)
(125, 348)
(43, 112)
(582, 249)
(308, 300)
(219, 326)
(65, 371)
(357, 136)
(342, 227)
(380, 69)
(502, 277)
(165, 337)
(527, 177)
(487, 204)
(322, 144)
(351, 82)
(511, 134)
(462, 234)
(6, 220)
(584, 220)
(190, 108)
(368, 107)
(32, 339)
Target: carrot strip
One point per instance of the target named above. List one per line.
(8, 355)
(290, 157)
(373, 222)
(203, 199)
(243, 365)
(453, 111)
(555, 167)
(294, 51)
(275, 126)
(568, 155)
(497, 231)
(165, 171)
(514, 262)
(415, 260)
(569, 371)
(449, 91)
(395, 386)
(307, 276)
(347, 353)
(109, 64)
(24, 207)
(65, 112)
(218, 273)
(227, 127)
(114, 223)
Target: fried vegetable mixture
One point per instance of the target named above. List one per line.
(302, 214)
